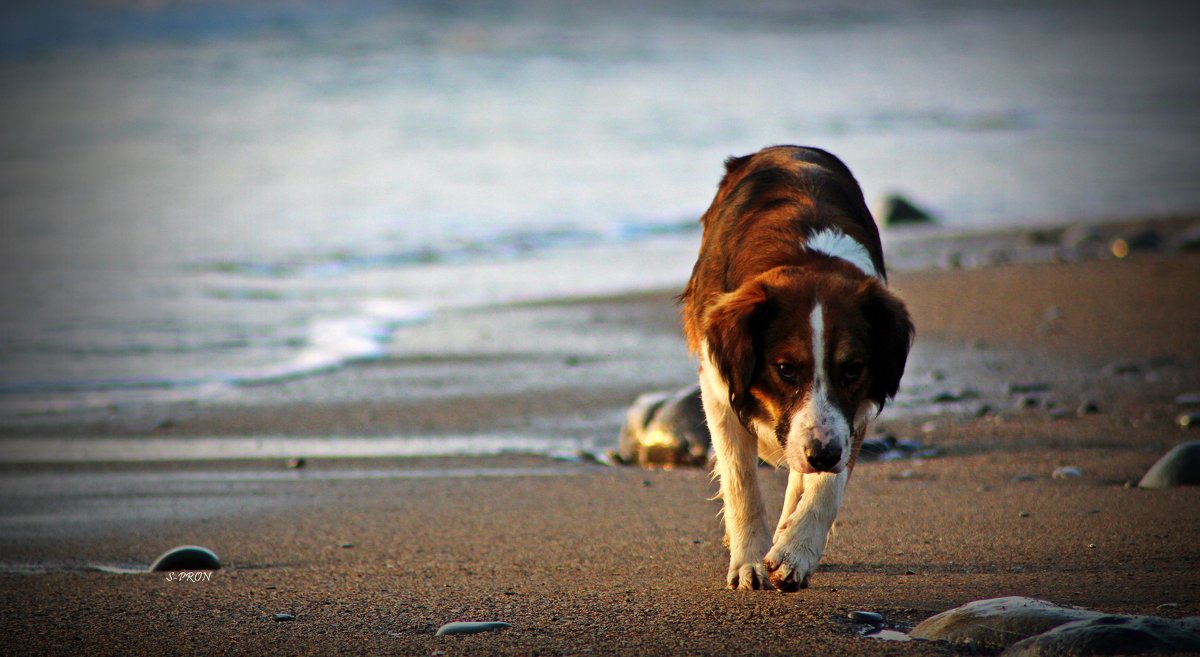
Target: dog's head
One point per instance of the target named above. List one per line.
(809, 357)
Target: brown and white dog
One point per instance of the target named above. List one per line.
(800, 345)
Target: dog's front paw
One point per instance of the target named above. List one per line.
(789, 571)
(747, 577)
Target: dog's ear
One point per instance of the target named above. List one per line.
(735, 162)
(733, 167)
(891, 338)
(732, 332)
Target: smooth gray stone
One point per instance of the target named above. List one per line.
(1178, 467)
(1112, 635)
(471, 627)
(998, 622)
(186, 557)
(869, 617)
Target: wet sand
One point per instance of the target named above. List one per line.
(371, 556)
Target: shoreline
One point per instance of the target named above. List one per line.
(372, 555)
(570, 366)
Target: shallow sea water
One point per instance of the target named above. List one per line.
(198, 197)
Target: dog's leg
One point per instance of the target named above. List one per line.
(791, 499)
(795, 554)
(745, 517)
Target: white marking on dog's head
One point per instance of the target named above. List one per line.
(819, 426)
(836, 244)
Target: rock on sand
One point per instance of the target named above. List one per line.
(998, 622)
(665, 428)
(471, 627)
(898, 210)
(1028, 627)
(186, 557)
(1112, 635)
(1178, 467)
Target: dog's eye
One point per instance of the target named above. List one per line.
(788, 372)
(852, 372)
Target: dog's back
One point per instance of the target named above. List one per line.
(766, 208)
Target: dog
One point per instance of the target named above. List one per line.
(800, 344)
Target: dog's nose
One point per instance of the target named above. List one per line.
(822, 458)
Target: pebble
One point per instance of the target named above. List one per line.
(874, 447)
(1018, 388)
(887, 448)
(1178, 467)
(1122, 367)
(1066, 472)
(470, 627)
(1188, 240)
(1087, 408)
(1060, 413)
(1042, 237)
(952, 396)
(282, 617)
(295, 463)
(186, 557)
(1080, 235)
(1188, 399)
(1028, 401)
(866, 617)
(1023, 514)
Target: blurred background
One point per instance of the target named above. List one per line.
(197, 195)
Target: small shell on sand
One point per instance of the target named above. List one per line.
(469, 627)
(186, 557)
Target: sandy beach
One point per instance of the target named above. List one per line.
(371, 556)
